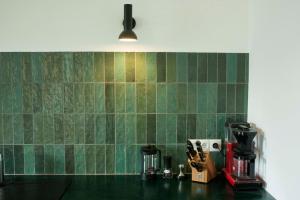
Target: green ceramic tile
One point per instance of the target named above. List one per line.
(171, 150)
(230, 117)
(211, 126)
(8, 129)
(110, 129)
(48, 129)
(241, 68)
(90, 129)
(161, 127)
(202, 67)
(29, 159)
(5, 69)
(140, 98)
(7, 98)
(140, 67)
(26, 67)
(47, 99)
(9, 164)
(28, 128)
(79, 128)
(37, 60)
(19, 159)
(221, 67)
(59, 159)
(110, 159)
(39, 159)
(130, 66)
(56, 67)
(89, 90)
(17, 98)
(68, 63)
(1, 128)
(151, 98)
(88, 62)
(38, 126)
(37, 98)
(120, 159)
(130, 98)
(109, 66)
(191, 126)
(221, 119)
(161, 98)
(202, 97)
(99, 66)
(18, 128)
(69, 159)
(120, 97)
(241, 117)
(80, 159)
(78, 62)
(99, 98)
(171, 98)
(151, 67)
(49, 159)
(212, 97)
(141, 129)
(201, 126)
(16, 62)
(192, 67)
(58, 98)
(119, 67)
(130, 128)
(100, 128)
(27, 99)
(181, 98)
(161, 67)
(171, 67)
(192, 98)
(171, 137)
(109, 98)
(100, 159)
(151, 128)
(79, 98)
(138, 159)
(120, 129)
(130, 150)
(181, 67)
(68, 98)
(212, 65)
(241, 98)
(231, 68)
(90, 159)
(231, 97)
(221, 107)
(69, 126)
(247, 68)
(58, 129)
(181, 128)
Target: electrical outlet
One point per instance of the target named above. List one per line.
(215, 145)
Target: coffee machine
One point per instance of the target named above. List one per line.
(150, 162)
(240, 156)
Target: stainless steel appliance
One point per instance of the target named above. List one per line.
(150, 162)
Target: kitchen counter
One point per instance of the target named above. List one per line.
(120, 187)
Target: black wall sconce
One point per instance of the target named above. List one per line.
(129, 23)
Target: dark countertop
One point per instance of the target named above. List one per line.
(120, 187)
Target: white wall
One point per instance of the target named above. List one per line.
(94, 25)
(274, 91)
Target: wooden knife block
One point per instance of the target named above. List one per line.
(209, 170)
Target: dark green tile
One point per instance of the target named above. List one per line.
(29, 159)
(161, 127)
(1, 128)
(161, 98)
(171, 67)
(68, 67)
(171, 150)
(79, 98)
(48, 129)
(100, 128)
(181, 67)
(192, 98)
(80, 159)
(130, 150)
(109, 66)
(58, 98)
(88, 61)
(37, 66)
(99, 98)
(231, 67)
(110, 159)
(130, 126)
(39, 159)
(151, 67)
(130, 98)
(38, 127)
(212, 98)
(221, 107)
(181, 98)
(212, 65)
(68, 98)
(120, 97)
(120, 129)
(151, 128)
(49, 159)
(78, 61)
(100, 159)
(28, 128)
(241, 98)
(69, 126)
(89, 90)
(26, 67)
(247, 68)
(17, 98)
(90, 129)
(171, 129)
(109, 98)
(221, 119)
(7, 98)
(222, 67)
(138, 159)
(59, 129)
(9, 164)
(211, 126)
(192, 67)
(119, 67)
(27, 99)
(120, 159)
(202, 67)
(231, 97)
(201, 126)
(141, 69)
(181, 128)
(241, 117)
(79, 120)
(161, 67)
(171, 98)
(202, 98)
(110, 129)
(18, 128)
(140, 98)
(99, 66)
(90, 159)
(230, 117)
(5, 69)
(191, 126)
(54, 67)
(181, 148)
(241, 68)
(151, 98)
(69, 159)
(130, 66)
(59, 159)
(8, 134)
(19, 159)
(47, 99)
(141, 129)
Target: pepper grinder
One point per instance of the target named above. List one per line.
(181, 174)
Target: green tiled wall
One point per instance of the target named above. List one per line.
(89, 113)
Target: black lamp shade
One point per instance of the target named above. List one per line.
(129, 23)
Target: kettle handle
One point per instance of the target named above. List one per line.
(159, 160)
